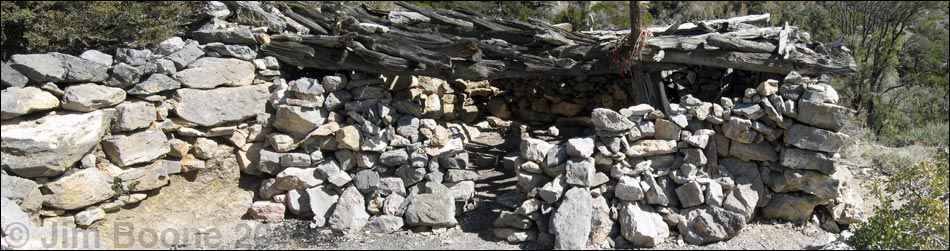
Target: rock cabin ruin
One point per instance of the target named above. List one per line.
(360, 119)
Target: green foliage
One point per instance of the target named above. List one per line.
(72, 27)
(935, 134)
(919, 219)
(617, 13)
(572, 15)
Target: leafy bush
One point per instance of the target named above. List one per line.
(931, 134)
(918, 219)
(72, 27)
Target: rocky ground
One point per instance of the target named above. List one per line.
(207, 211)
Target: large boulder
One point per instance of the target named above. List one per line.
(350, 214)
(322, 200)
(708, 224)
(221, 105)
(609, 120)
(207, 73)
(78, 190)
(641, 226)
(90, 97)
(434, 210)
(58, 67)
(790, 206)
(571, 221)
(824, 115)
(824, 187)
(34, 149)
(748, 192)
(137, 148)
(18, 101)
(815, 139)
(807, 160)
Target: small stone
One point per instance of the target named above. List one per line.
(267, 211)
(367, 181)
(768, 88)
(690, 194)
(86, 218)
(90, 97)
(384, 224)
(580, 147)
(331, 171)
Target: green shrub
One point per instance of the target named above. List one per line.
(918, 219)
(72, 27)
(932, 134)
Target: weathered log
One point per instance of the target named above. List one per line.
(463, 44)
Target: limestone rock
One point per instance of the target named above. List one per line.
(803, 159)
(739, 129)
(651, 147)
(293, 178)
(434, 210)
(534, 149)
(267, 211)
(18, 101)
(137, 148)
(815, 139)
(709, 224)
(11, 77)
(299, 121)
(221, 105)
(792, 207)
(571, 221)
(609, 120)
(331, 171)
(762, 151)
(78, 190)
(826, 116)
(32, 149)
(209, 72)
(187, 55)
(384, 224)
(91, 97)
(580, 147)
(691, 194)
(350, 212)
(322, 199)
(641, 226)
(23, 192)
(133, 115)
(155, 84)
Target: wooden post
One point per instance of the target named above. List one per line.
(645, 89)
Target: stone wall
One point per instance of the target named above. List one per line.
(87, 135)
(569, 101)
(698, 174)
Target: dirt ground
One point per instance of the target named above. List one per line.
(208, 212)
